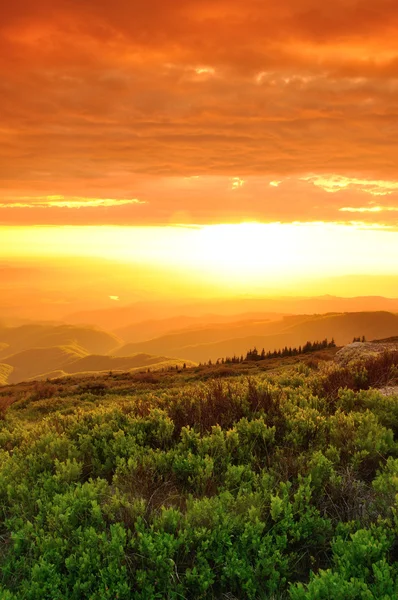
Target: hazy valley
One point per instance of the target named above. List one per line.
(48, 350)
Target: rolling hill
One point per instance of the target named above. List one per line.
(59, 361)
(145, 330)
(36, 361)
(214, 342)
(95, 363)
(116, 318)
(44, 335)
(35, 350)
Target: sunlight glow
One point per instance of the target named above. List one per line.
(241, 257)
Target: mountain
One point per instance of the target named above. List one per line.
(44, 335)
(35, 361)
(51, 350)
(216, 342)
(118, 317)
(145, 330)
(58, 361)
(179, 340)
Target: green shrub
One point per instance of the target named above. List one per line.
(253, 488)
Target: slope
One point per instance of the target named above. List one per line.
(58, 361)
(95, 363)
(214, 333)
(29, 363)
(5, 372)
(146, 330)
(117, 317)
(39, 335)
(213, 343)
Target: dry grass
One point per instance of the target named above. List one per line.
(352, 500)
(371, 372)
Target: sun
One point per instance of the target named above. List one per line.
(244, 249)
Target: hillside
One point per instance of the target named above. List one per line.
(30, 363)
(57, 361)
(225, 340)
(119, 317)
(42, 335)
(28, 349)
(217, 332)
(97, 364)
(5, 372)
(268, 480)
(145, 330)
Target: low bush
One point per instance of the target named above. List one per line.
(267, 487)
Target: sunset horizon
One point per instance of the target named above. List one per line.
(187, 129)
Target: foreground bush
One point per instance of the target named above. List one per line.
(254, 488)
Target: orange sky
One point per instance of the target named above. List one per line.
(201, 111)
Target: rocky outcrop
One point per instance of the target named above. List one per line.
(358, 351)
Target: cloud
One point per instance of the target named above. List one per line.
(369, 209)
(124, 100)
(337, 183)
(208, 199)
(62, 202)
(237, 183)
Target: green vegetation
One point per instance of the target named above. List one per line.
(255, 355)
(277, 484)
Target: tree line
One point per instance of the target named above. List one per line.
(289, 351)
(255, 355)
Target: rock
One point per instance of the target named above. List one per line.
(389, 390)
(361, 350)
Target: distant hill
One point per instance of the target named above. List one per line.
(37, 335)
(29, 363)
(48, 350)
(58, 361)
(94, 363)
(201, 335)
(216, 342)
(166, 365)
(145, 330)
(116, 318)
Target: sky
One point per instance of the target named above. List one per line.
(235, 140)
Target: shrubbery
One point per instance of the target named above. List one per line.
(260, 488)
